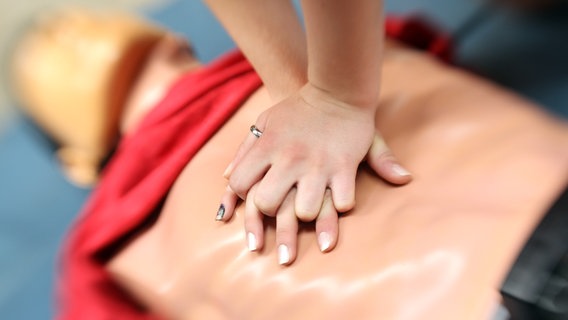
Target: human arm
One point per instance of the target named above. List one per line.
(280, 58)
(270, 35)
(345, 43)
(315, 139)
(344, 48)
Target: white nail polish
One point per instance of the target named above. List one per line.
(283, 254)
(251, 240)
(324, 240)
(400, 170)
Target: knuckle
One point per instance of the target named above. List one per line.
(264, 146)
(319, 165)
(295, 153)
(343, 161)
(306, 215)
(385, 155)
(265, 204)
(345, 206)
(238, 188)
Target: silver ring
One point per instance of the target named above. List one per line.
(257, 133)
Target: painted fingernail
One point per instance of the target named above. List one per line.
(283, 254)
(251, 240)
(400, 170)
(220, 212)
(324, 240)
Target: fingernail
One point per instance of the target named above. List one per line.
(400, 170)
(251, 240)
(220, 212)
(283, 254)
(324, 240)
(228, 170)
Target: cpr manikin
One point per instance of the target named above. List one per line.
(435, 249)
(486, 164)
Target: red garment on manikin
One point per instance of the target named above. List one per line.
(136, 180)
(146, 164)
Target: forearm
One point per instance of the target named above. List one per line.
(271, 37)
(344, 48)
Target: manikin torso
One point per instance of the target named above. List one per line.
(486, 166)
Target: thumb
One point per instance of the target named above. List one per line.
(385, 164)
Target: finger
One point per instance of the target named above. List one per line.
(343, 190)
(309, 198)
(249, 171)
(384, 163)
(253, 224)
(245, 146)
(272, 190)
(227, 206)
(327, 224)
(287, 230)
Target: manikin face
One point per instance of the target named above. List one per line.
(72, 72)
(169, 59)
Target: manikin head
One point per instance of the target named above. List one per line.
(83, 76)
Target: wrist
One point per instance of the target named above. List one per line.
(286, 88)
(363, 98)
(311, 92)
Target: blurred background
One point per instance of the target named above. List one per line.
(520, 48)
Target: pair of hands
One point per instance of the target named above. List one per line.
(303, 167)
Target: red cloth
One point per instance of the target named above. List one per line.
(420, 33)
(147, 163)
(139, 175)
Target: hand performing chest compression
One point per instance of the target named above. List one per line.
(300, 163)
(300, 159)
